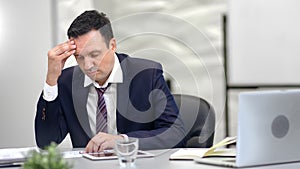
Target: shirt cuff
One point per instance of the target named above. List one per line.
(125, 137)
(50, 92)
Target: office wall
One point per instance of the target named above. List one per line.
(263, 47)
(25, 38)
(263, 42)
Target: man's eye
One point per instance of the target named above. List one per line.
(95, 55)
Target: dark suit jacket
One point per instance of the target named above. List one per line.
(145, 108)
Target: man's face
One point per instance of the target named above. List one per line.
(93, 56)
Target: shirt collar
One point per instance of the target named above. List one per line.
(116, 76)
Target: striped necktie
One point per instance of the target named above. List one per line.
(101, 115)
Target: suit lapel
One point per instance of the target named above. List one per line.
(80, 95)
(123, 89)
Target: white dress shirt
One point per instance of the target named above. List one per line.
(110, 97)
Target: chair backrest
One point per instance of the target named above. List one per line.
(199, 120)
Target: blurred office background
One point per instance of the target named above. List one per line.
(187, 37)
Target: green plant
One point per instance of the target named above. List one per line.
(49, 159)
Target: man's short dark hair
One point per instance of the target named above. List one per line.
(91, 20)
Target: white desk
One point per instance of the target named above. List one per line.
(160, 161)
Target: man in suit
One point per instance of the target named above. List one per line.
(136, 100)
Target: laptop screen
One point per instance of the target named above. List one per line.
(268, 127)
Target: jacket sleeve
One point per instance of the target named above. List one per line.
(50, 125)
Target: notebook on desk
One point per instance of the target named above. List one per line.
(268, 130)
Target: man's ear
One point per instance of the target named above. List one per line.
(113, 44)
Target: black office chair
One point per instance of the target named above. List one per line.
(199, 119)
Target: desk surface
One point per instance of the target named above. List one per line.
(160, 161)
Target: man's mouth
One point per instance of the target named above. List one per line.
(91, 73)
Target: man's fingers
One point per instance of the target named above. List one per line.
(105, 146)
(63, 50)
(100, 142)
(91, 147)
(99, 139)
(88, 147)
(67, 54)
(95, 148)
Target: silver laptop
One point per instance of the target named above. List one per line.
(268, 130)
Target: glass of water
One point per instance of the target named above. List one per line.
(127, 151)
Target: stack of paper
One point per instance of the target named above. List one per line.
(10, 156)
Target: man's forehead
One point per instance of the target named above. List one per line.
(86, 41)
(86, 38)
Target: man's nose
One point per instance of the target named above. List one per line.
(88, 63)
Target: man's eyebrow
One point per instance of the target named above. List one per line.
(94, 51)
